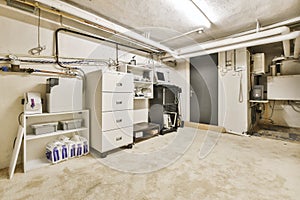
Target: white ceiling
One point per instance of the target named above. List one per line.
(161, 20)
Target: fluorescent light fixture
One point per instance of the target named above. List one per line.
(191, 11)
(207, 11)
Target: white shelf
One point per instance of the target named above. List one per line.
(139, 67)
(259, 101)
(143, 82)
(38, 163)
(60, 113)
(141, 97)
(34, 145)
(59, 132)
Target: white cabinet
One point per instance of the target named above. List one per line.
(109, 96)
(34, 146)
(142, 80)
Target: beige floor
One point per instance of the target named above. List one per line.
(236, 168)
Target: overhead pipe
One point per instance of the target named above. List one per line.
(67, 8)
(286, 46)
(31, 70)
(229, 41)
(181, 35)
(283, 23)
(269, 40)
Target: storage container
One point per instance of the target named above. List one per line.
(71, 124)
(53, 153)
(56, 151)
(71, 148)
(44, 128)
(85, 145)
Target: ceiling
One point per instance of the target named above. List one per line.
(162, 20)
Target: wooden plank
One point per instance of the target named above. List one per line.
(14, 158)
(205, 127)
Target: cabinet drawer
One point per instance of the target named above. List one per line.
(117, 101)
(116, 138)
(117, 119)
(117, 82)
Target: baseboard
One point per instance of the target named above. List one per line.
(205, 126)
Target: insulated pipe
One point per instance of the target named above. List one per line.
(283, 23)
(297, 48)
(269, 40)
(286, 46)
(181, 35)
(229, 41)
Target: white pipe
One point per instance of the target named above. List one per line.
(286, 46)
(229, 41)
(297, 48)
(269, 40)
(181, 35)
(65, 7)
(283, 23)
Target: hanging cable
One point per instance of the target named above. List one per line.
(241, 98)
(295, 105)
(37, 50)
(19, 118)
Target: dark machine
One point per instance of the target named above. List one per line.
(164, 107)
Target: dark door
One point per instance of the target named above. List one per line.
(204, 89)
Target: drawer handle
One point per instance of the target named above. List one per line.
(119, 120)
(119, 102)
(119, 138)
(119, 84)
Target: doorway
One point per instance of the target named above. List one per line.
(204, 89)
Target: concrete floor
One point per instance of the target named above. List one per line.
(236, 168)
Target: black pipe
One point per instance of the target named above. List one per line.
(89, 36)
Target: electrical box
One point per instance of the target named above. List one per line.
(258, 63)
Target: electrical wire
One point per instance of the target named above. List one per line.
(295, 105)
(19, 118)
(37, 50)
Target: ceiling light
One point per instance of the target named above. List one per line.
(200, 31)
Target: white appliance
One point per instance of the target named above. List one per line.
(64, 94)
(233, 95)
(162, 76)
(33, 103)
